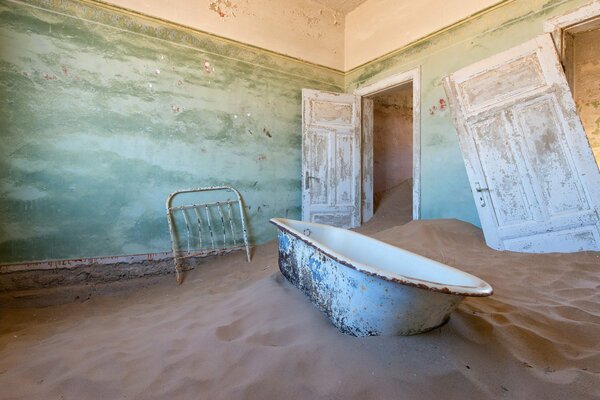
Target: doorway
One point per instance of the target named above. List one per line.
(391, 143)
(392, 147)
(576, 36)
(582, 67)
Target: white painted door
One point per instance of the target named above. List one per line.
(331, 158)
(531, 169)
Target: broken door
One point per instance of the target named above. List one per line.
(331, 158)
(531, 169)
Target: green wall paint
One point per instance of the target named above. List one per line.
(93, 138)
(445, 191)
(102, 115)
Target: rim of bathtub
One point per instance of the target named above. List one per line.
(482, 289)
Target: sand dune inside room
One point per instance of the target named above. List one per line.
(240, 331)
(299, 199)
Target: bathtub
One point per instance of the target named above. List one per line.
(367, 287)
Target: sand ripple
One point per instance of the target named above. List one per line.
(239, 331)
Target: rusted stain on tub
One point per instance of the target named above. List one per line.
(423, 285)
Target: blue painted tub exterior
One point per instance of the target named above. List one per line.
(367, 300)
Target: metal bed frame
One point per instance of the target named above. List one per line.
(207, 227)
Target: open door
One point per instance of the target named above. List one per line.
(331, 158)
(532, 172)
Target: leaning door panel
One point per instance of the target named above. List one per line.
(532, 172)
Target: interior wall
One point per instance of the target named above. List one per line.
(445, 189)
(377, 27)
(102, 115)
(392, 138)
(298, 28)
(586, 84)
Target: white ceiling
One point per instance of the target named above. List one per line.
(343, 6)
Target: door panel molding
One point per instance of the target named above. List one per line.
(532, 172)
(331, 184)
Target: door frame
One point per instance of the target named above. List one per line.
(561, 23)
(414, 76)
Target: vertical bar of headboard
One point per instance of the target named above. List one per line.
(231, 224)
(212, 238)
(222, 222)
(199, 220)
(187, 228)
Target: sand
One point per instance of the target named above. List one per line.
(235, 330)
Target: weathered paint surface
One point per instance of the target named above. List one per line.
(308, 30)
(102, 115)
(445, 189)
(586, 85)
(392, 138)
(535, 180)
(331, 158)
(366, 299)
(367, 159)
(55, 203)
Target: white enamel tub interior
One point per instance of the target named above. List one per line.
(368, 287)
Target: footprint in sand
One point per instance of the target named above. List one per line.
(280, 337)
(229, 332)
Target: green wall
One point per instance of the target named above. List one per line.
(93, 137)
(445, 191)
(103, 114)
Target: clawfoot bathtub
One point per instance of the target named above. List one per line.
(367, 287)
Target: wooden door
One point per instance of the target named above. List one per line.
(331, 158)
(531, 169)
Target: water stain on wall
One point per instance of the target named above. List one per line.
(98, 125)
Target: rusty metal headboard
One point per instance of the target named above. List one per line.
(210, 229)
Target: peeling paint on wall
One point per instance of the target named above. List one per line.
(98, 125)
(440, 106)
(224, 8)
(286, 26)
(445, 189)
